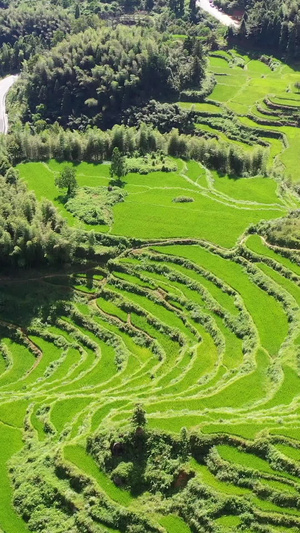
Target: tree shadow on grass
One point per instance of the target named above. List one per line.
(21, 302)
(231, 176)
(117, 182)
(62, 198)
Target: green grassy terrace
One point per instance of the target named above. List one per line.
(195, 318)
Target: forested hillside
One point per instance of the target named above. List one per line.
(27, 30)
(269, 24)
(91, 77)
(31, 234)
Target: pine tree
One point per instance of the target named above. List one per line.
(193, 10)
(180, 8)
(189, 44)
(77, 11)
(149, 5)
(198, 49)
(139, 416)
(196, 72)
(66, 107)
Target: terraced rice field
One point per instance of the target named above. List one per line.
(193, 318)
(249, 94)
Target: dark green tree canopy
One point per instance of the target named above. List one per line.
(12, 176)
(273, 25)
(139, 416)
(90, 78)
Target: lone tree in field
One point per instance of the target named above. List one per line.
(139, 416)
(67, 179)
(118, 165)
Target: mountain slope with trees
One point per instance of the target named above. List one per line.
(31, 233)
(91, 77)
(270, 24)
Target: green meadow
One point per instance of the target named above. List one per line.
(149, 210)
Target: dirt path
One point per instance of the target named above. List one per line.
(219, 15)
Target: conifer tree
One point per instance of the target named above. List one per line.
(139, 416)
(77, 11)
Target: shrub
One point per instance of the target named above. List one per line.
(183, 199)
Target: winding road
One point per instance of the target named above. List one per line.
(219, 15)
(5, 85)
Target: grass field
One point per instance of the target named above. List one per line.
(199, 321)
(149, 212)
(10, 443)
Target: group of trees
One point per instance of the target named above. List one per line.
(95, 145)
(93, 76)
(162, 116)
(181, 8)
(31, 233)
(41, 20)
(226, 158)
(283, 232)
(272, 24)
(28, 30)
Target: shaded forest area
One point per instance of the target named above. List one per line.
(91, 77)
(268, 24)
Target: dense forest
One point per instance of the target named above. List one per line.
(268, 24)
(91, 77)
(31, 233)
(27, 31)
